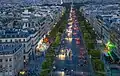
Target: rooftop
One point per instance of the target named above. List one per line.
(9, 49)
(14, 33)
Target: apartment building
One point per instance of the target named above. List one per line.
(11, 59)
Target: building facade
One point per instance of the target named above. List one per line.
(11, 59)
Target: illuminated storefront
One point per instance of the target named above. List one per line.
(42, 46)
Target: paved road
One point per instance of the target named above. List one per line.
(76, 61)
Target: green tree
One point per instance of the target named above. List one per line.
(98, 65)
(45, 72)
(90, 45)
(45, 65)
(55, 34)
(86, 35)
(95, 53)
(57, 41)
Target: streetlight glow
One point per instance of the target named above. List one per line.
(22, 72)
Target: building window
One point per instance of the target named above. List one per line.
(0, 66)
(24, 57)
(0, 60)
(24, 51)
(24, 40)
(16, 40)
(24, 45)
(6, 66)
(15, 58)
(26, 24)
(29, 24)
(10, 66)
(19, 40)
(5, 40)
(11, 40)
(10, 59)
(6, 60)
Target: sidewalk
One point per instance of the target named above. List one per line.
(34, 66)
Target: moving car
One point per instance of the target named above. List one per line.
(77, 42)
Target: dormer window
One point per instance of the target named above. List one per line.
(0, 40)
(5, 40)
(19, 40)
(11, 40)
(16, 40)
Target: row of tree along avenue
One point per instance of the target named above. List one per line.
(55, 34)
(90, 39)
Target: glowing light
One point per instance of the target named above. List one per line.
(108, 48)
(110, 45)
(69, 39)
(69, 34)
(22, 72)
(70, 27)
(109, 53)
(69, 30)
(61, 57)
(45, 40)
(70, 23)
(42, 47)
(62, 73)
(62, 50)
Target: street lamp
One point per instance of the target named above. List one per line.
(22, 72)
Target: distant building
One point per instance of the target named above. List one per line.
(105, 20)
